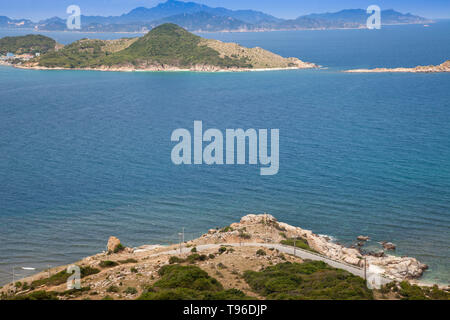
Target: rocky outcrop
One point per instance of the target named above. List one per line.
(388, 245)
(443, 67)
(113, 243)
(362, 238)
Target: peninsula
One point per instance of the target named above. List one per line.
(443, 67)
(256, 258)
(167, 47)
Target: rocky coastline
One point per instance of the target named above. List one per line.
(443, 67)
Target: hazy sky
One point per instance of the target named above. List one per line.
(39, 9)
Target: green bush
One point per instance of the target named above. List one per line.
(188, 283)
(244, 235)
(119, 248)
(128, 261)
(196, 257)
(309, 280)
(226, 229)
(174, 259)
(260, 252)
(130, 290)
(222, 249)
(409, 291)
(113, 289)
(108, 264)
(194, 249)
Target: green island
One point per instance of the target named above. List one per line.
(167, 47)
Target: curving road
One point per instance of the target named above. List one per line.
(376, 280)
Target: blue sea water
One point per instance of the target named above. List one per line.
(85, 155)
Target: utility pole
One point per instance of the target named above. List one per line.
(183, 234)
(180, 236)
(365, 269)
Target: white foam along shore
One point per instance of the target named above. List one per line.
(200, 68)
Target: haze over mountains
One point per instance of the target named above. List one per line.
(199, 17)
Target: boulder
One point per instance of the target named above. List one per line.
(362, 238)
(113, 242)
(388, 245)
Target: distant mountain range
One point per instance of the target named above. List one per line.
(199, 17)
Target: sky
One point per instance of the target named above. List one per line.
(41, 9)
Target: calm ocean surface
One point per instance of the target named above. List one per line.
(85, 155)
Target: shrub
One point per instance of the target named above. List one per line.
(113, 288)
(133, 270)
(196, 257)
(119, 248)
(194, 249)
(222, 249)
(226, 229)
(220, 265)
(130, 290)
(38, 295)
(174, 259)
(108, 298)
(244, 235)
(128, 261)
(108, 264)
(260, 252)
(211, 256)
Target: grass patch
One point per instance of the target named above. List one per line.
(108, 264)
(38, 295)
(62, 276)
(299, 243)
(128, 261)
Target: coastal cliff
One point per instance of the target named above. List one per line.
(256, 258)
(443, 67)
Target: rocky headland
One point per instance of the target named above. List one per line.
(235, 255)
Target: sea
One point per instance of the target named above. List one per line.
(87, 154)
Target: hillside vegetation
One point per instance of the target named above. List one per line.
(27, 44)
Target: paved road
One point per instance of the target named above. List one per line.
(304, 254)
